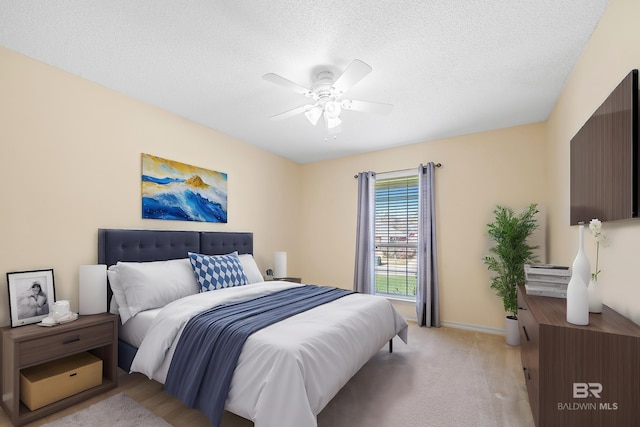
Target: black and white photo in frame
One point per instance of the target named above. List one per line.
(31, 296)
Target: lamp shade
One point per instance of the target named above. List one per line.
(313, 115)
(279, 265)
(93, 289)
(332, 114)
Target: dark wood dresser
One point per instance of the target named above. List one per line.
(579, 375)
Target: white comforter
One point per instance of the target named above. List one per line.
(289, 371)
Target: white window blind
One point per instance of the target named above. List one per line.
(396, 235)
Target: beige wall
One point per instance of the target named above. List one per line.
(613, 51)
(479, 171)
(70, 164)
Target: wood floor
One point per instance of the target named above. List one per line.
(500, 363)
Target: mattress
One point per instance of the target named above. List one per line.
(135, 329)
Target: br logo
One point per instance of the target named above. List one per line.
(584, 390)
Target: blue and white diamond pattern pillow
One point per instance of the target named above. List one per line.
(217, 271)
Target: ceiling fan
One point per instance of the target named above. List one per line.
(326, 94)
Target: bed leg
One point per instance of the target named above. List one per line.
(391, 345)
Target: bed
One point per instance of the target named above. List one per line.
(287, 372)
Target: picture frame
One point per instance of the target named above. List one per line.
(27, 303)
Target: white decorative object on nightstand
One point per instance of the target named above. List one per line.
(93, 289)
(279, 265)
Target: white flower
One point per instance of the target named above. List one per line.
(595, 226)
(596, 231)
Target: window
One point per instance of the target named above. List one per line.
(396, 235)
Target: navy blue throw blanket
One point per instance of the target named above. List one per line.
(210, 345)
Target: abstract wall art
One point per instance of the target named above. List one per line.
(176, 191)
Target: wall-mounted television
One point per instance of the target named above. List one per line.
(604, 159)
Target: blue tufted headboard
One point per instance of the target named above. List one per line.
(159, 245)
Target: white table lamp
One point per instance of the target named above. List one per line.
(93, 289)
(279, 265)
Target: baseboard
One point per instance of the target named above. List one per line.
(476, 328)
(413, 318)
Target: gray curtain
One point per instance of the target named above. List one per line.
(364, 268)
(427, 304)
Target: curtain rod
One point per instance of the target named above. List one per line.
(402, 170)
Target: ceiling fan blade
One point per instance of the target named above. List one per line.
(366, 107)
(291, 113)
(287, 84)
(355, 72)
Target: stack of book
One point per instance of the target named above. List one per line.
(547, 280)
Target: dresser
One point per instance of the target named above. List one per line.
(579, 375)
(33, 345)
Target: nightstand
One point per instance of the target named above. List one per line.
(33, 345)
(289, 279)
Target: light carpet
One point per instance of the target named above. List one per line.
(117, 411)
(443, 378)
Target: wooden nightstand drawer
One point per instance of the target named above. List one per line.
(65, 343)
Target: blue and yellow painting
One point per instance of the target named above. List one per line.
(177, 191)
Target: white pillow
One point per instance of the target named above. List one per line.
(120, 307)
(250, 268)
(148, 285)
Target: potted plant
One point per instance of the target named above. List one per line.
(507, 258)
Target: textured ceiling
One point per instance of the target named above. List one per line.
(448, 67)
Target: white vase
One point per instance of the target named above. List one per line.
(577, 292)
(595, 297)
(581, 264)
(577, 301)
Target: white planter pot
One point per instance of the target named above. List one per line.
(512, 334)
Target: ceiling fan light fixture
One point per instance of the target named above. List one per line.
(313, 114)
(332, 109)
(332, 122)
